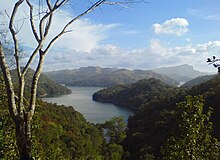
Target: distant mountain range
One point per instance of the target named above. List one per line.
(105, 77)
(46, 86)
(181, 73)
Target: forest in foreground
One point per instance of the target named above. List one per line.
(156, 128)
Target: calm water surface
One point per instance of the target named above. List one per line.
(95, 112)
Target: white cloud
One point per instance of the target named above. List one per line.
(195, 55)
(176, 26)
(85, 34)
(157, 54)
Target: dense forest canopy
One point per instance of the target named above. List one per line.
(156, 117)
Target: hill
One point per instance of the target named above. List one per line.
(181, 73)
(134, 95)
(46, 86)
(104, 77)
(155, 117)
(59, 132)
(198, 80)
(154, 122)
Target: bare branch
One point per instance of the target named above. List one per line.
(35, 82)
(49, 5)
(93, 7)
(8, 84)
(48, 25)
(125, 4)
(13, 32)
(33, 55)
(34, 30)
(20, 75)
(42, 21)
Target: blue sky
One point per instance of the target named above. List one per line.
(144, 36)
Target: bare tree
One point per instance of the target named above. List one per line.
(21, 114)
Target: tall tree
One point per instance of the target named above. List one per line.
(114, 132)
(22, 114)
(194, 140)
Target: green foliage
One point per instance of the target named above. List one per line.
(194, 140)
(58, 132)
(155, 120)
(114, 132)
(46, 86)
(113, 152)
(198, 80)
(104, 77)
(8, 148)
(62, 133)
(1, 136)
(137, 94)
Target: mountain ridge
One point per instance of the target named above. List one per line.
(181, 73)
(104, 77)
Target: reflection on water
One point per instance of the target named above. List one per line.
(95, 112)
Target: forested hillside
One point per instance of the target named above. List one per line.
(46, 86)
(156, 118)
(134, 95)
(198, 80)
(60, 132)
(105, 77)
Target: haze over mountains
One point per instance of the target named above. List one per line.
(181, 73)
(106, 77)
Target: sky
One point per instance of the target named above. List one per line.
(158, 33)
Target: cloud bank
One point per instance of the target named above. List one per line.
(84, 46)
(175, 26)
(156, 55)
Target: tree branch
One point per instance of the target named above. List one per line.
(34, 30)
(33, 55)
(8, 84)
(42, 21)
(13, 32)
(124, 4)
(48, 25)
(35, 82)
(20, 76)
(93, 7)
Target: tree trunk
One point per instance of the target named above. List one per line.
(23, 137)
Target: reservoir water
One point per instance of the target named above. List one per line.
(95, 112)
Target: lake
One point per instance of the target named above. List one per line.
(95, 112)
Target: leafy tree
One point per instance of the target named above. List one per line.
(114, 132)
(194, 140)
